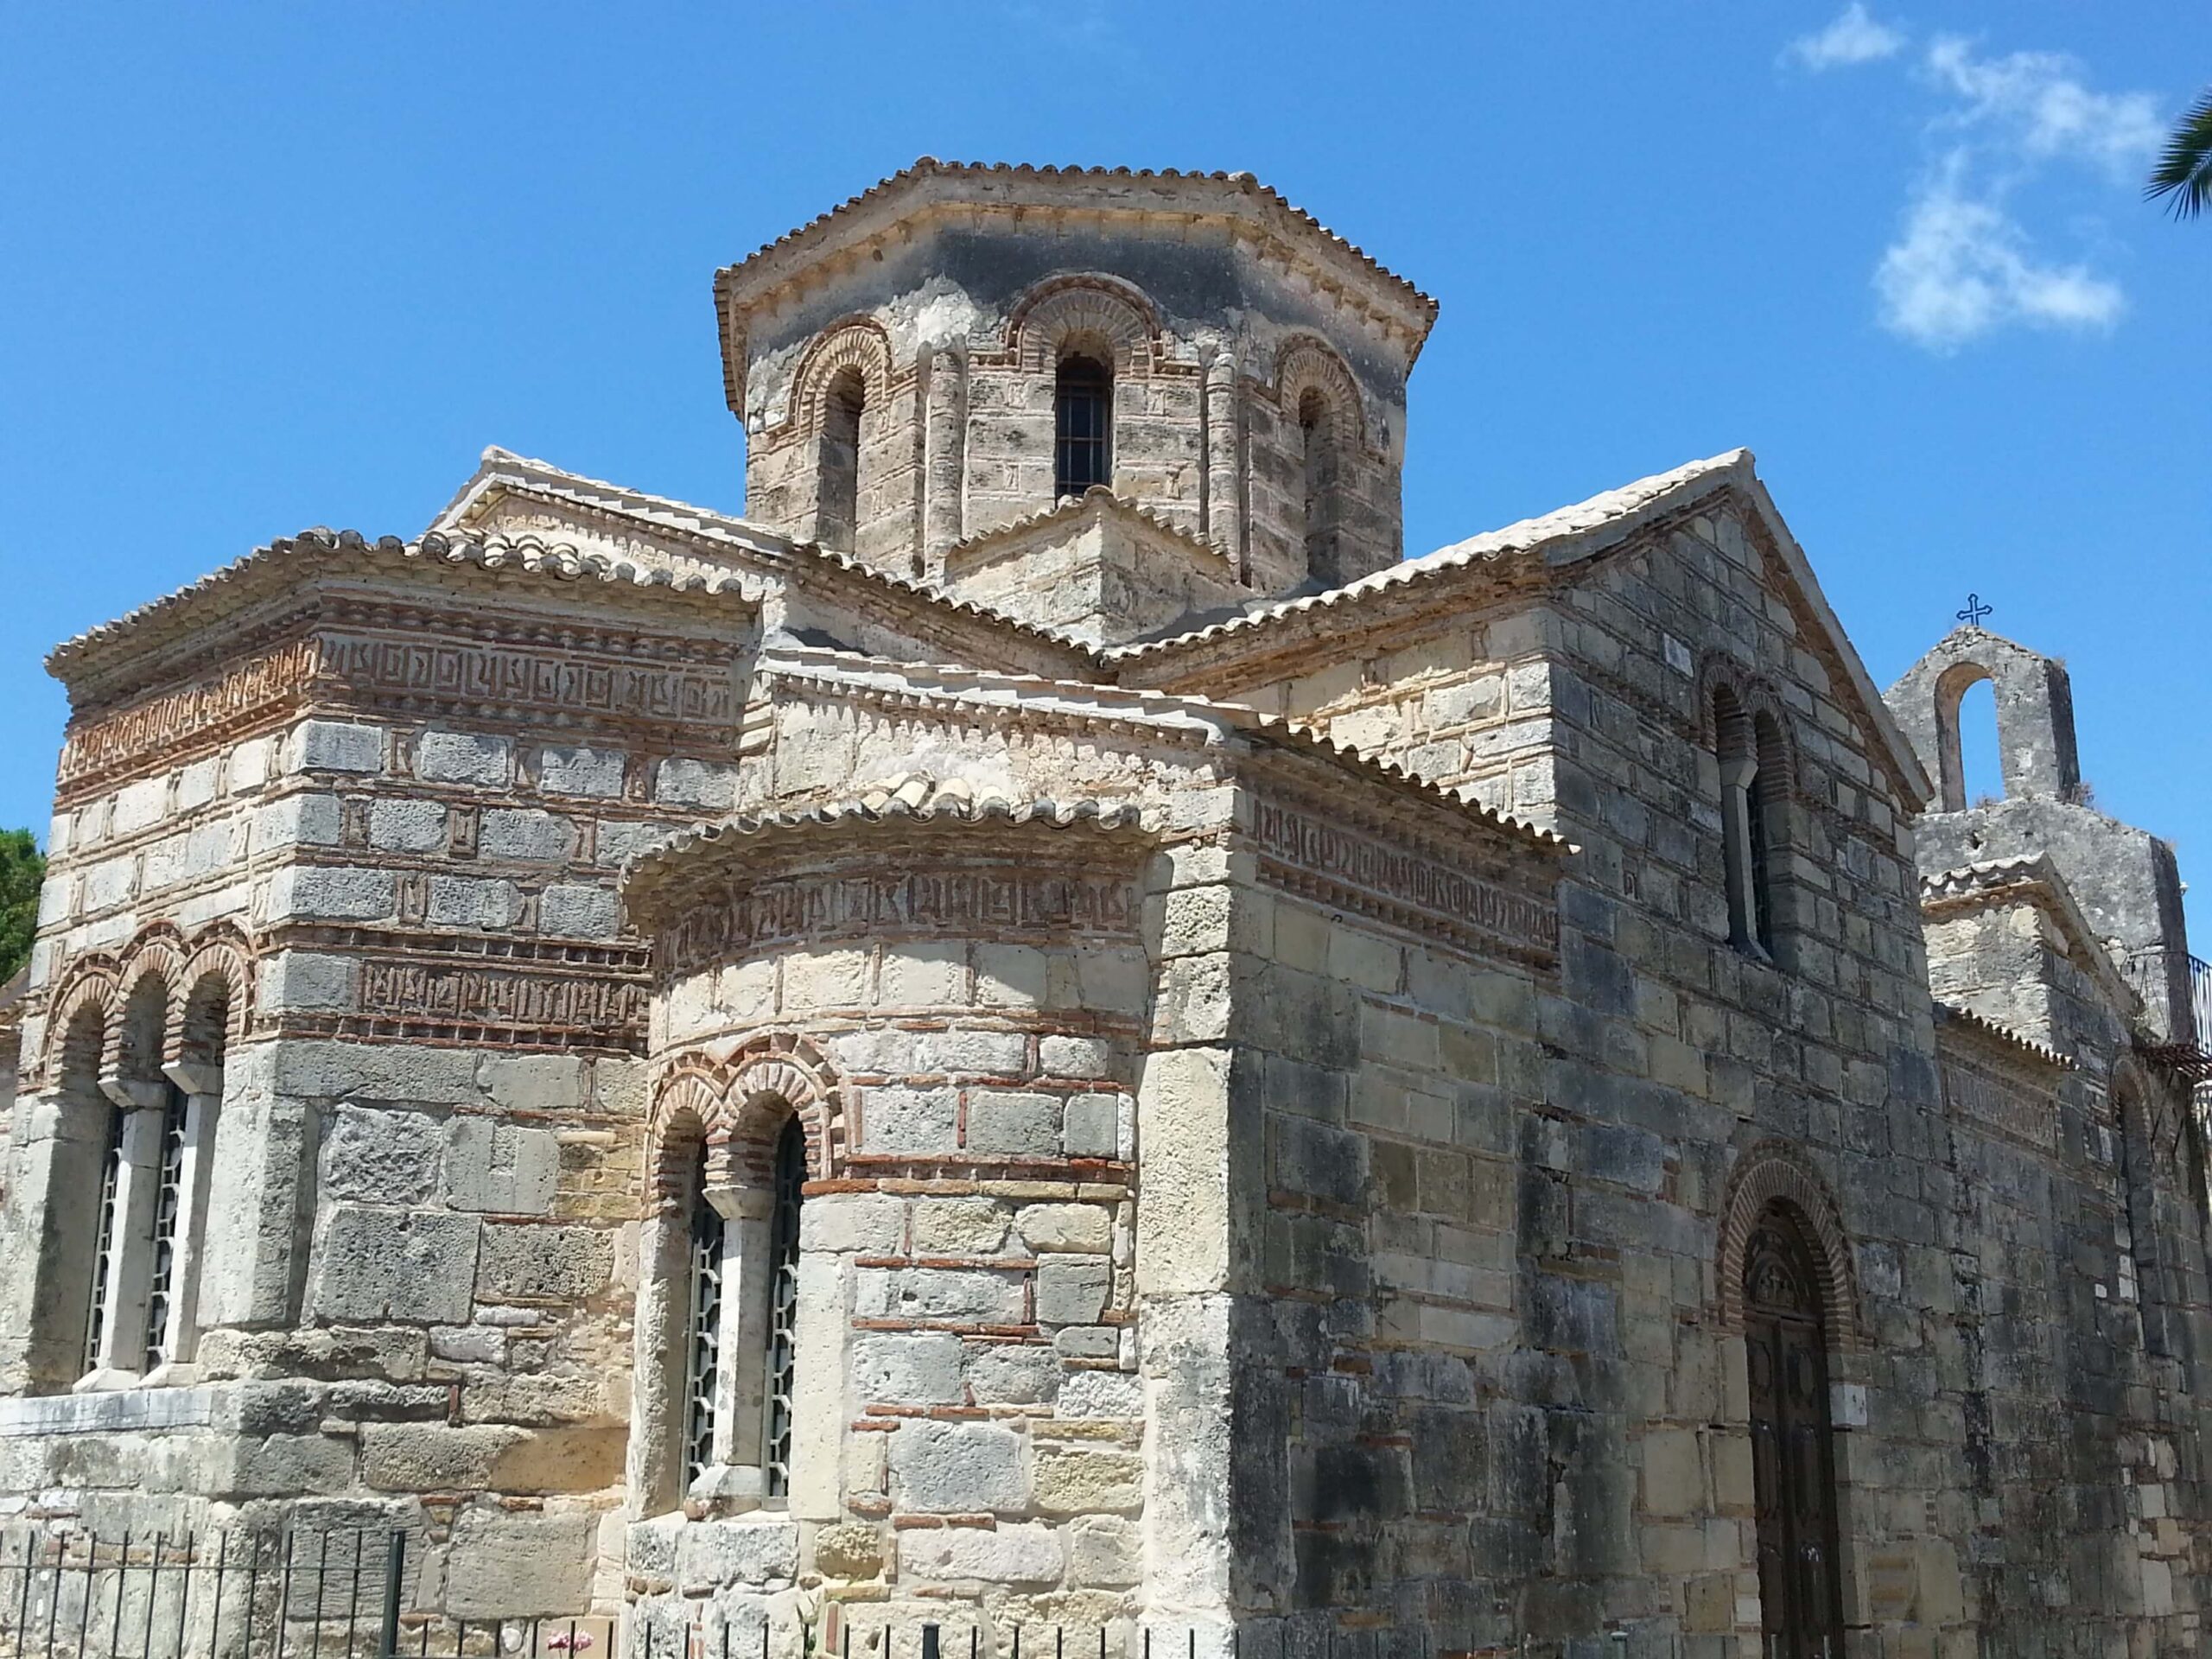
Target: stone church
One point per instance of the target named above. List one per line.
(1043, 1029)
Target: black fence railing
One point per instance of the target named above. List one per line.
(223, 1594)
(2176, 994)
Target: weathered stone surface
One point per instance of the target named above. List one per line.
(399, 1264)
(957, 1468)
(524, 1262)
(1015, 1555)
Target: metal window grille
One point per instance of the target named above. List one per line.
(704, 1358)
(168, 1202)
(104, 1239)
(783, 1304)
(1083, 426)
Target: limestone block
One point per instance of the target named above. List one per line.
(1011, 975)
(572, 910)
(408, 826)
(1100, 1394)
(432, 1457)
(527, 834)
(979, 1294)
(250, 764)
(374, 1071)
(681, 782)
(1065, 1227)
(1075, 1057)
(335, 746)
(111, 883)
(958, 1469)
(848, 1550)
(1016, 1554)
(755, 1549)
(1115, 980)
(296, 821)
(384, 1157)
(968, 1053)
(473, 758)
(195, 782)
(620, 840)
(302, 894)
(923, 1369)
(1008, 1373)
(1086, 1479)
(925, 974)
(910, 1120)
(580, 771)
(491, 1165)
(502, 1564)
(290, 1465)
(1099, 1126)
(534, 1083)
(301, 980)
(1071, 1290)
(1022, 1124)
(397, 1264)
(563, 1458)
(959, 1226)
(862, 1223)
(1105, 1551)
(521, 1262)
(472, 901)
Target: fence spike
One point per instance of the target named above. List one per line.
(284, 1593)
(184, 1593)
(84, 1609)
(215, 1613)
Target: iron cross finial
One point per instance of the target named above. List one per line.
(1974, 612)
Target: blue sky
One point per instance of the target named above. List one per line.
(268, 266)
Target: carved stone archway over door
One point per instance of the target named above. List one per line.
(1792, 1442)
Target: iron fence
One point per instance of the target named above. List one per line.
(237, 1594)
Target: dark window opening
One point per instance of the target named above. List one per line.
(837, 519)
(1082, 403)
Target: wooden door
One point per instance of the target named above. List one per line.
(1793, 1466)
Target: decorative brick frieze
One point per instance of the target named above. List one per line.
(1309, 851)
(256, 694)
(1002, 898)
(2000, 1102)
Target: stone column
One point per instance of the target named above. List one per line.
(944, 457)
(1224, 524)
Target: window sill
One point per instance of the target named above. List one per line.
(729, 1489)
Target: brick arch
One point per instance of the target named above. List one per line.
(1090, 309)
(856, 343)
(1776, 1172)
(87, 995)
(784, 1075)
(1308, 363)
(211, 997)
(148, 994)
(686, 1103)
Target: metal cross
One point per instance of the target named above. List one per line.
(1974, 612)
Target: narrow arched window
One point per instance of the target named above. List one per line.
(837, 505)
(1317, 429)
(780, 1371)
(105, 1242)
(703, 1331)
(1083, 425)
(1743, 825)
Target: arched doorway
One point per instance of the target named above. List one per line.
(1793, 1458)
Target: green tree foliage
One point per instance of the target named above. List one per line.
(2184, 175)
(23, 867)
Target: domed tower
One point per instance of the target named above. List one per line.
(1103, 401)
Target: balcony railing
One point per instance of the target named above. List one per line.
(2177, 996)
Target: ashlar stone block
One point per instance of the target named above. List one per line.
(1015, 1555)
(395, 1264)
(958, 1469)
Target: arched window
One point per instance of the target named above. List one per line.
(1744, 824)
(1319, 477)
(781, 1357)
(1083, 425)
(703, 1331)
(837, 516)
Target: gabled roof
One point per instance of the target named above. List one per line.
(726, 538)
(1959, 1016)
(1559, 541)
(523, 561)
(2031, 879)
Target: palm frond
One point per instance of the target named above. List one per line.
(2183, 173)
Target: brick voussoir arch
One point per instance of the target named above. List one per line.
(1307, 360)
(1775, 1171)
(220, 962)
(89, 985)
(737, 1102)
(1755, 695)
(1084, 307)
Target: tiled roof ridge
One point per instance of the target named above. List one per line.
(1069, 507)
(1981, 874)
(1958, 1013)
(911, 798)
(930, 166)
(721, 527)
(526, 550)
(1524, 536)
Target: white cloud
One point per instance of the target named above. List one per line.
(2036, 104)
(1963, 267)
(1853, 38)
